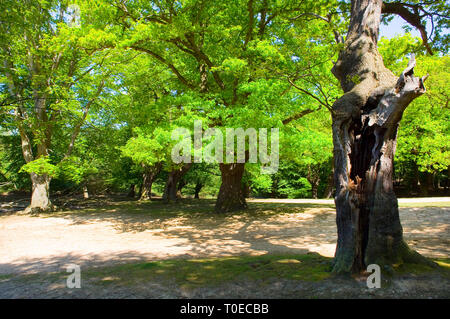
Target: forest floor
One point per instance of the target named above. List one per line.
(275, 249)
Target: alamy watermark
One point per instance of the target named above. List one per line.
(74, 280)
(213, 151)
(374, 280)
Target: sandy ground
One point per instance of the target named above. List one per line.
(44, 244)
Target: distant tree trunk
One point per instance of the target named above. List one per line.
(132, 191)
(313, 177)
(40, 196)
(314, 189)
(171, 188)
(85, 192)
(180, 186)
(148, 177)
(198, 188)
(330, 186)
(246, 188)
(429, 178)
(365, 122)
(231, 196)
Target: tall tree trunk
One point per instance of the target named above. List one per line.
(231, 196)
(148, 177)
(365, 122)
(171, 188)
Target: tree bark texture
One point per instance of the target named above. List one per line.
(365, 123)
(231, 195)
(40, 196)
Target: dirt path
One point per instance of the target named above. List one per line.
(44, 244)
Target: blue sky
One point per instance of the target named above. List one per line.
(395, 28)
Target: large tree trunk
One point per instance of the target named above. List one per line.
(231, 196)
(148, 177)
(171, 188)
(365, 122)
(40, 196)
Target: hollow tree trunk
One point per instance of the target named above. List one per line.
(231, 196)
(148, 177)
(40, 196)
(365, 122)
(170, 190)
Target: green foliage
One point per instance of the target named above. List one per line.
(148, 149)
(41, 166)
(77, 169)
(119, 79)
(423, 134)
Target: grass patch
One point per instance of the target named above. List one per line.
(419, 269)
(424, 204)
(5, 277)
(214, 271)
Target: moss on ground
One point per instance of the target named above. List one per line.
(210, 272)
(214, 271)
(420, 269)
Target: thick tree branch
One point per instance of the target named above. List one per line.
(251, 19)
(298, 115)
(163, 60)
(413, 18)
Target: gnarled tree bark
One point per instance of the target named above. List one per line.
(365, 123)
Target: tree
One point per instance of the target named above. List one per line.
(149, 151)
(365, 123)
(309, 146)
(227, 59)
(51, 66)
